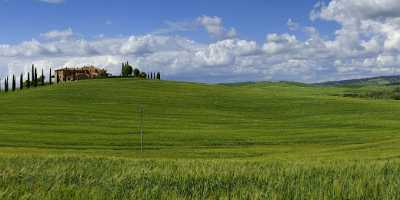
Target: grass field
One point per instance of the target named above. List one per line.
(244, 141)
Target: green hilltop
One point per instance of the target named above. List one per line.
(190, 120)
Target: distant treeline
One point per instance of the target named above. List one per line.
(128, 71)
(33, 80)
(382, 92)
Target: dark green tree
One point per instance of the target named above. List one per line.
(13, 83)
(126, 69)
(158, 76)
(21, 82)
(50, 81)
(122, 69)
(143, 75)
(28, 82)
(58, 78)
(6, 84)
(136, 73)
(33, 73)
(35, 81)
(42, 78)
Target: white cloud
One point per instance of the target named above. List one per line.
(292, 25)
(352, 10)
(280, 43)
(212, 24)
(214, 27)
(368, 41)
(57, 34)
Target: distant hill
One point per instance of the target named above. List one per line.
(257, 83)
(380, 80)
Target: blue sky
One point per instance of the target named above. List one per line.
(26, 19)
(205, 40)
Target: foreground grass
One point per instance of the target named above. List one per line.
(69, 177)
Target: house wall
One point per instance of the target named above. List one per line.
(79, 74)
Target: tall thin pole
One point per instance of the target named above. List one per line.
(141, 110)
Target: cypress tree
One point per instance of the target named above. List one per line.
(6, 84)
(21, 82)
(13, 83)
(33, 73)
(42, 77)
(50, 77)
(122, 69)
(58, 78)
(28, 82)
(35, 81)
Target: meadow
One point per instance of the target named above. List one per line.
(79, 140)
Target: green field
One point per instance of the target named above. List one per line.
(245, 141)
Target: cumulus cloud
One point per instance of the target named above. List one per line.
(214, 27)
(349, 10)
(176, 57)
(369, 33)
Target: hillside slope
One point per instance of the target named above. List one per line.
(380, 80)
(188, 120)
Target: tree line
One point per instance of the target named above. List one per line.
(33, 80)
(128, 71)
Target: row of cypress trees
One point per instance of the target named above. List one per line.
(32, 80)
(127, 70)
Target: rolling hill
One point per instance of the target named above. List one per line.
(190, 120)
(380, 80)
(78, 140)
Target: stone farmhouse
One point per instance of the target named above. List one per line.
(86, 72)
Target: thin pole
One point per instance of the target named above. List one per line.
(141, 128)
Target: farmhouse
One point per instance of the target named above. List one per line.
(86, 72)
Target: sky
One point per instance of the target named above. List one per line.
(205, 40)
